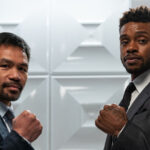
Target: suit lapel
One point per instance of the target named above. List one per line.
(3, 129)
(145, 94)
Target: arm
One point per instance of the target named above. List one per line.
(14, 141)
(136, 134)
(111, 119)
(25, 129)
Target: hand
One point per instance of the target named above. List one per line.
(111, 119)
(27, 126)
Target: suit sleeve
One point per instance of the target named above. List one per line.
(136, 134)
(14, 141)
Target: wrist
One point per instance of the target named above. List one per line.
(22, 134)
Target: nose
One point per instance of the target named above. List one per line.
(14, 75)
(132, 47)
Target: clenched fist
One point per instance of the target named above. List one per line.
(111, 119)
(27, 125)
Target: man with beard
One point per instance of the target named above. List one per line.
(128, 125)
(15, 133)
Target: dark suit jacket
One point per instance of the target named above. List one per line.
(136, 134)
(12, 140)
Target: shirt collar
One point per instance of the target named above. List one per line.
(142, 81)
(4, 108)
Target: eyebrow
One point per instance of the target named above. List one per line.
(4, 60)
(123, 36)
(138, 32)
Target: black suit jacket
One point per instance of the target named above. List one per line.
(12, 140)
(136, 134)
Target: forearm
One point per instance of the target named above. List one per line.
(15, 142)
(132, 137)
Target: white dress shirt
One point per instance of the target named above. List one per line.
(140, 83)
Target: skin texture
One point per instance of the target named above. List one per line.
(135, 56)
(13, 76)
(135, 47)
(111, 119)
(13, 73)
(27, 125)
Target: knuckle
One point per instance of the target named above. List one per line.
(26, 112)
(114, 105)
(38, 122)
(33, 117)
(101, 112)
(105, 106)
(41, 127)
(99, 118)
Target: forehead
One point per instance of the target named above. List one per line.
(133, 27)
(13, 53)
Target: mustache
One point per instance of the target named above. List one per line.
(9, 84)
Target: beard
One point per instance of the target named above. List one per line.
(9, 95)
(137, 69)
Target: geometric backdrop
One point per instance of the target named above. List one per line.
(75, 67)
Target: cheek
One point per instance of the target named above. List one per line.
(146, 54)
(3, 79)
(24, 79)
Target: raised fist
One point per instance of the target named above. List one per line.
(27, 126)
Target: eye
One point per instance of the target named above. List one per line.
(4, 66)
(124, 42)
(24, 69)
(142, 41)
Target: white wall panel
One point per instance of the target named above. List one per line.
(76, 102)
(35, 98)
(85, 41)
(137, 3)
(83, 38)
(29, 19)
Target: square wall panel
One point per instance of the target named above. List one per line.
(85, 44)
(35, 98)
(30, 22)
(76, 102)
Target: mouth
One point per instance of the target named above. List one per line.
(13, 86)
(131, 59)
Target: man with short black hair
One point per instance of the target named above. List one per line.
(128, 125)
(15, 133)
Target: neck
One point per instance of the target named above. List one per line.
(135, 75)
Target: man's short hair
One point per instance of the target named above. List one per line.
(139, 14)
(11, 39)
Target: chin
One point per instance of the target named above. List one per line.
(13, 97)
(137, 71)
(10, 97)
